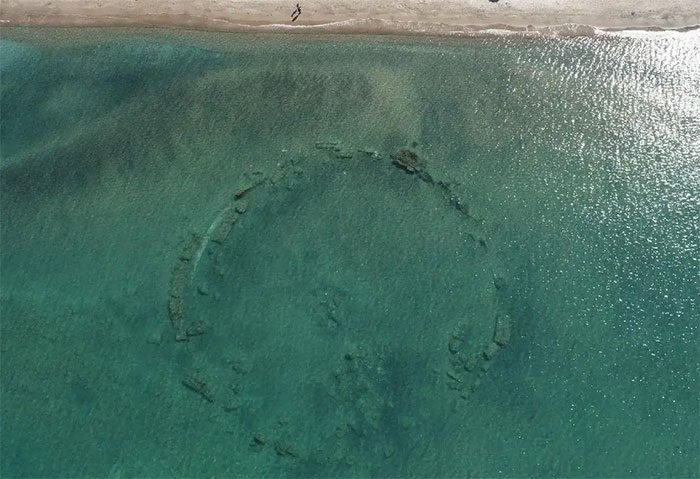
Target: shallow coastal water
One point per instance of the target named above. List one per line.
(329, 330)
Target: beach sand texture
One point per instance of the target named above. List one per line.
(434, 16)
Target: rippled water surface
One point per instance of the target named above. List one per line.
(339, 312)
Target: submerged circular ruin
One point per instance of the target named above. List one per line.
(337, 307)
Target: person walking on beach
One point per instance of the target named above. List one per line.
(296, 13)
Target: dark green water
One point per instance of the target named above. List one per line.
(336, 315)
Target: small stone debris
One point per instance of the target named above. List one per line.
(453, 376)
(455, 344)
(177, 288)
(285, 449)
(464, 362)
(229, 216)
(191, 247)
(471, 362)
(455, 385)
(491, 351)
(177, 316)
(460, 205)
(243, 191)
(239, 364)
(475, 384)
(154, 338)
(467, 365)
(425, 176)
(388, 451)
(444, 186)
(197, 329)
(178, 279)
(232, 406)
(326, 145)
(241, 207)
(499, 282)
(259, 439)
(198, 386)
(502, 331)
(235, 386)
(368, 152)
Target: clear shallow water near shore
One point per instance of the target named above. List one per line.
(334, 314)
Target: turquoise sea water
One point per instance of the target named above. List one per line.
(344, 326)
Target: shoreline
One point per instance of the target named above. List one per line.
(427, 17)
(355, 27)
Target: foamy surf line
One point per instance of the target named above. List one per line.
(380, 26)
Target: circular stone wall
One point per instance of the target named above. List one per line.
(339, 307)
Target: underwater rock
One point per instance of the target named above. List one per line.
(454, 344)
(502, 331)
(326, 145)
(406, 160)
(228, 219)
(191, 247)
(491, 351)
(232, 405)
(466, 359)
(239, 364)
(425, 176)
(460, 205)
(156, 337)
(197, 329)
(388, 451)
(471, 362)
(241, 207)
(177, 317)
(371, 153)
(178, 279)
(284, 448)
(499, 282)
(243, 191)
(453, 375)
(444, 187)
(198, 386)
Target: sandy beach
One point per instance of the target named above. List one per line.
(429, 16)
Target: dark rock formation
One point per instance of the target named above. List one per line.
(407, 160)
